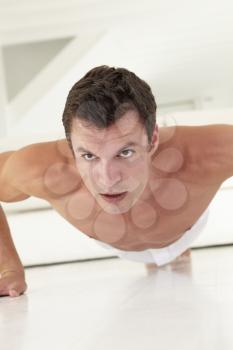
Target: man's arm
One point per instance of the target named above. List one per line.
(11, 268)
(220, 139)
(13, 169)
(14, 173)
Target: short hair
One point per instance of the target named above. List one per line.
(104, 94)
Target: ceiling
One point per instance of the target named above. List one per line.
(30, 20)
(175, 38)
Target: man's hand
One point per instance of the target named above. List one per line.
(12, 283)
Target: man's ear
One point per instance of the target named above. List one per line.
(155, 139)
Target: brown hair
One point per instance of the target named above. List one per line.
(104, 94)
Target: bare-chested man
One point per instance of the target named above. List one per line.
(140, 190)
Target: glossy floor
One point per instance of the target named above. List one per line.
(116, 304)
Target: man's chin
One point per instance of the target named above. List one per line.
(114, 210)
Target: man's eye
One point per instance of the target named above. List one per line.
(87, 156)
(127, 150)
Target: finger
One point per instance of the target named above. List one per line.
(8, 289)
(3, 288)
(13, 293)
(12, 288)
(4, 293)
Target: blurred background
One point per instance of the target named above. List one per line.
(183, 49)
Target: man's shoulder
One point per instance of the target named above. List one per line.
(213, 151)
(43, 166)
(58, 174)
(207, 150)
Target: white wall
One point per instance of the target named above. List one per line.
(22, 62)
(185, 55)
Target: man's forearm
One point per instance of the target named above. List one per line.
(9, 258)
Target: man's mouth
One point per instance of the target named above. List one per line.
(113, 196)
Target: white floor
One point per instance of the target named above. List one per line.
(116, 304)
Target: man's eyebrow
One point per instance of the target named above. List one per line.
(81, 149)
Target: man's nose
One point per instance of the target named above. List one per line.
(108, 176)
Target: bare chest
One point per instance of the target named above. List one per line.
(154, 223)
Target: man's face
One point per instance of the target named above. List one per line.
(114, 160)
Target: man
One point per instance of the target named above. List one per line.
(134, 188)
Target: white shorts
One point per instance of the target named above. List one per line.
(162, 256)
